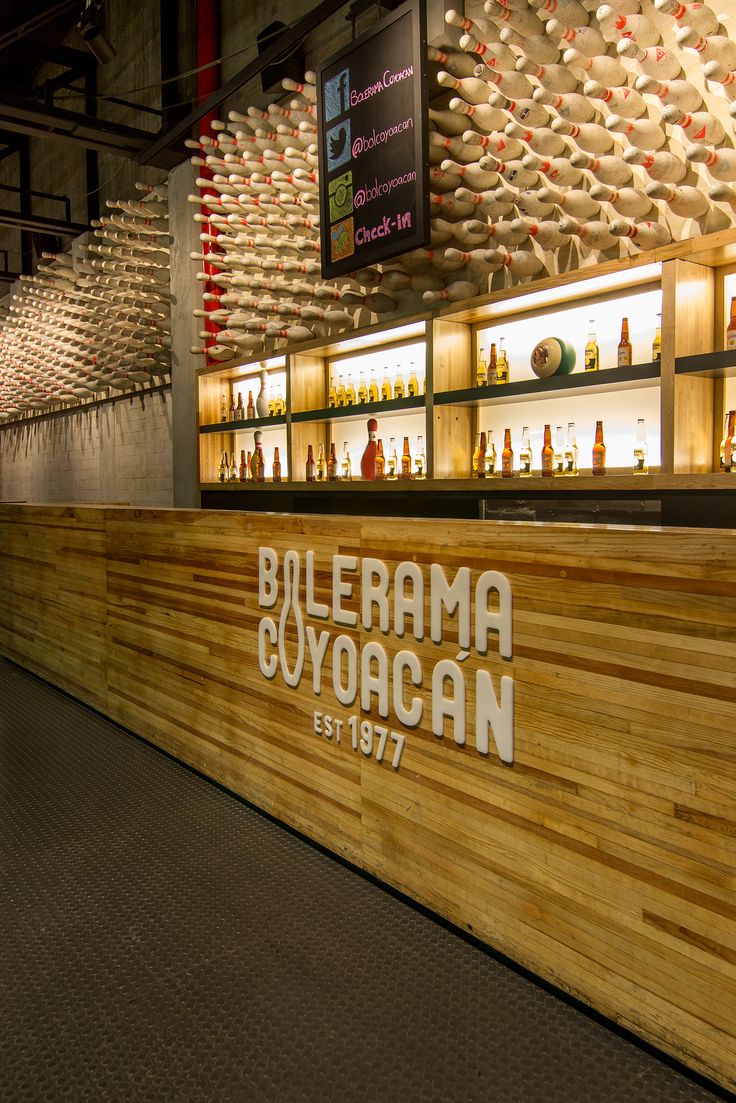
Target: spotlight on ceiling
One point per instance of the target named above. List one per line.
(91, 27)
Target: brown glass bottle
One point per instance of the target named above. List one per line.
(380, 461)
(624, 346)
(405, 472)
(731, 328)
(260, 465)
(507, 456)
(310, 466)
(276, 466)
(548, 453)
(727, 444)
(492, 365)
(599, 451)
(250, 410)
(243, 471)
(332, 475)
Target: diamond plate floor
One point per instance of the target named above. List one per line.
(161, 941)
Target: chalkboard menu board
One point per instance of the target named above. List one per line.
(371, 106)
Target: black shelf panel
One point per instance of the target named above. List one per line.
(359, 409)
(247, 423)
(715, 365)
(609, 379)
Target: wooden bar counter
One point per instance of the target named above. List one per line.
(552, 765)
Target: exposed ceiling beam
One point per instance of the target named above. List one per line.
(40, 225)
(28, 26)
(287, 41)
(23, 116)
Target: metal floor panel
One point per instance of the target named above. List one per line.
(159, 940)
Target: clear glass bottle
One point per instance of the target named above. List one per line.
(475, 458)
(599, 451)
(223, 408)
(399, 389)
(641, 452)
(571, 450)
(386, 392)
(625, 355)
(341, 396)
(362, 388)
(420, 460)
(559, 451)
(374, 394)
(525, 453)
(502, 364)
(412, 386)
(657, 342)
(507, 456)
(592, 354)
(321, 465)
(548, 454)
(490, 455)
(481, 375)
(392, 460)
(350, 392)
(346, 469)
(332, 394)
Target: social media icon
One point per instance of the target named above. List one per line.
(340, 192)
(337, 95)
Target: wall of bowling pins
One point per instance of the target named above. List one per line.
(563, 133)
(95, 320)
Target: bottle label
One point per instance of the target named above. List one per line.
(731, 339)
(507, 465)
(548, 463)
(599, 463)
(624, 357)
(591, 360)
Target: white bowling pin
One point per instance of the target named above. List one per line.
(495, 54)
(546, 233)
(654, 61)
(645, 235)
(555, 78)
(642, 133)
(527, 112)
(524, 21)
(542, 140)
(513, 84)
(449, 123)
(453, 293)
(472, 175)
(628, 202)
(441, 180)
(594, 235)
(588, 136)
(662, 166)
(700, 126)
(711, 48)
(557, 170)
(719, 74)
(477, 260)
(522, 263)
(686, 201)
(471, 89)
(570, 105)
(501, 147)
(455, 148)
(569, 12)
(608, 169)
(623, 100)
(681, 93)
(607, 70)
(530, 205)
(484, 116)
(615, 26)
(455, 62)
(586, 40)
(479, 27)
(513, 173)
(721, 165)
(538, 48)
(699, 17)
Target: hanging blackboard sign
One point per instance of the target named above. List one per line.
(371, 107)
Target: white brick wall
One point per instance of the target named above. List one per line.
(116, 452)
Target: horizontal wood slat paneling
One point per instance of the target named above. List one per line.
(604, 858)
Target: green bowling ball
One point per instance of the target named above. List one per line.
(552, 356)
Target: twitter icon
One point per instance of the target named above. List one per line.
(338, 145)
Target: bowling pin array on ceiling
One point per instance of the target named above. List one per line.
(94, 320)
